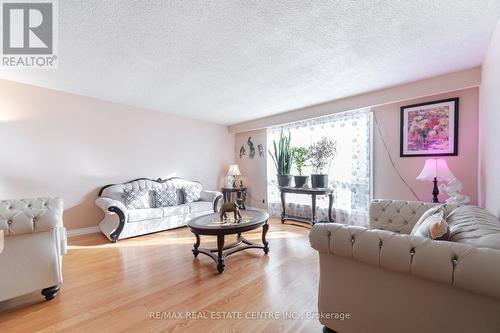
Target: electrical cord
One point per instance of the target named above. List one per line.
(390, 157)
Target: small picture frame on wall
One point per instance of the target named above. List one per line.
(429, 129)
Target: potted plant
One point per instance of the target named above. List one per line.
(282, 158)
(300, 157)
(320, 155)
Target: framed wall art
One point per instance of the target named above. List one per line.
(430, 129)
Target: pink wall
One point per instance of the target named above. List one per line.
(60, 144)
(489, 116)
(387, 183)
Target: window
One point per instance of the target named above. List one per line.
(349, 172)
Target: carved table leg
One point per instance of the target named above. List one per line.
(265, 228)
(313, 196)
(220, 256)
(283, 206)
(330, 206)
(196, 245)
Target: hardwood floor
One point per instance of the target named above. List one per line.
(119, 287)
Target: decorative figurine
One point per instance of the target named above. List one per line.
(232, 206)
(251, 148)
(453, 189)
(261, 150)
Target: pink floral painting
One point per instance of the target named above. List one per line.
(429, 129)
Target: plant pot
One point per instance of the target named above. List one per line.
(284, 180)
(300, 180)
(319, 181)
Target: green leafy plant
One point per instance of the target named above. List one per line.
(282, 156)
(321, 153)
(300, 156)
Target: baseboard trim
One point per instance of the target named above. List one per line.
(82, 231)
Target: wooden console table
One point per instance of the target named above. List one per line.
(313, 192)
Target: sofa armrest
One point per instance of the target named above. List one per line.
(211, 196)
(110, 206)
(106, 203)
(456, 264)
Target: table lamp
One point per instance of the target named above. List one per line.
(435, 170)
(233, 171)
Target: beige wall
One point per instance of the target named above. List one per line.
(489, 124)
(253, 170)
(59, 144)
(386, 182)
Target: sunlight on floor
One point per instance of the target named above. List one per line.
(164, 239)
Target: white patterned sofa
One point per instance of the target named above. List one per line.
(389, 281)
(121, 222)
(34, 243)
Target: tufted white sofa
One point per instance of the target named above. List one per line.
(120, 222)
(34, 243)
(390, 282)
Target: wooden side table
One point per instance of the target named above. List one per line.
(313, 192)
(227, 192)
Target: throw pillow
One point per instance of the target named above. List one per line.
(166, 197)
(429, 212)
(136, 198)
(434, 227)
(192, 192)
(432, 224)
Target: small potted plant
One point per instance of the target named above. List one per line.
(320, 155)
(300, 157)
(282, 158)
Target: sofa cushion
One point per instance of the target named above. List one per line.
(175, 210)
(475, 226)
(136, 198)
(137, 215)
(192, 192)
(201, 206)
(165, 197)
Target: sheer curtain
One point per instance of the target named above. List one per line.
(349, 173)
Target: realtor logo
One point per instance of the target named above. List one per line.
(29, 33)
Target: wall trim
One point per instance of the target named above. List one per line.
(82, 231)
(465, 79)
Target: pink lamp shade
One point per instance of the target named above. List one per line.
(436, 168)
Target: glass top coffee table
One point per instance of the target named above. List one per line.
(211, 225)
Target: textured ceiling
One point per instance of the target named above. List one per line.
(232, 61)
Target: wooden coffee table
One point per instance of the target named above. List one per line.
(211, 225)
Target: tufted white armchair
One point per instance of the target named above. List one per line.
(34, 242)
(389, 281)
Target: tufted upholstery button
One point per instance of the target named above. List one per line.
(414, 213)
(375, 219)
(398, 211)
(383, 209)
(405, 222)
(389, 220)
